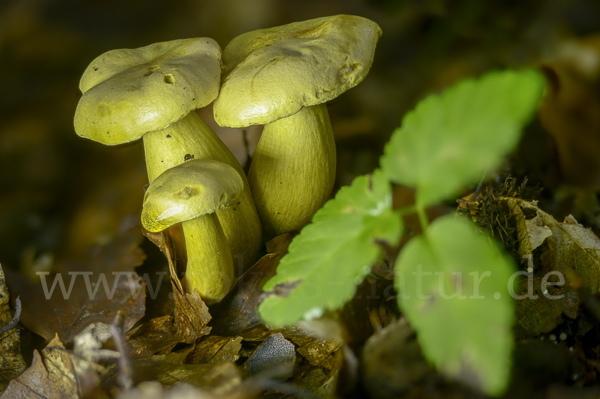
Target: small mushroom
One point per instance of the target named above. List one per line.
(281, 77)
(152, 92)
(190, 194)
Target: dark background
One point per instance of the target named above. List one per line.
(60, 194)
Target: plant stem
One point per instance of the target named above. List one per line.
(422, 218)
(407, 210)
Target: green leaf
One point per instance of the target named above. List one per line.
(451, 140)
(453, 289)
(335, 252)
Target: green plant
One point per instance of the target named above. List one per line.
(451, 281)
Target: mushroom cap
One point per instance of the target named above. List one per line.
(272, 73)
(190, 190)
(127, 93)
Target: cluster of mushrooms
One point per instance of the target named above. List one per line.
(278, 77)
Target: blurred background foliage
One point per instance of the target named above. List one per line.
(60, 194)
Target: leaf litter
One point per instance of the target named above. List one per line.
(567, 272)
(176, 349)
(93, 289)
(234, 353)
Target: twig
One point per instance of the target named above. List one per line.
(15, 318)
(116, 330)
(478, 190)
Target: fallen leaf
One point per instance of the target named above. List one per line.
(317, 341)
(33, 383)
(392, 361)
(569, 268)
(155, 390)
(169, 370)
(320, 384)
(536, 314)
(530, 233)
(215, 349)
(563, 264)
(258, 333)
(371, 308)
(92, 290)
(11, 360)
(153, 336)
(61, 371)
(573, 249)
(210, 376)
(537, 232)
(570, 110)
(237, 312)
(191, 313)
(319, 352)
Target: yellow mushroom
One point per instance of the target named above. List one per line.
(190, 194)
(152, 92)
(281, 77)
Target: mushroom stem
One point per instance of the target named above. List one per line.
(191, 138)
(293, 170)
(210, 264)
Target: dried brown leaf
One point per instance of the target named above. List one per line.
(319, 383)
(34, 383)
(392, 361)
(320, 352)
(154, 336)
(237, 312)
(573, 249)
(317, 341)
(215, 349)
(572, 254)
(537, 232)
(280, 243)
(530, 233)
(155, 390)
(191, 313)
(61, 371)
(211, 376)
(169, 370)
(538, 314)
(11, 360)
(96, 288)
